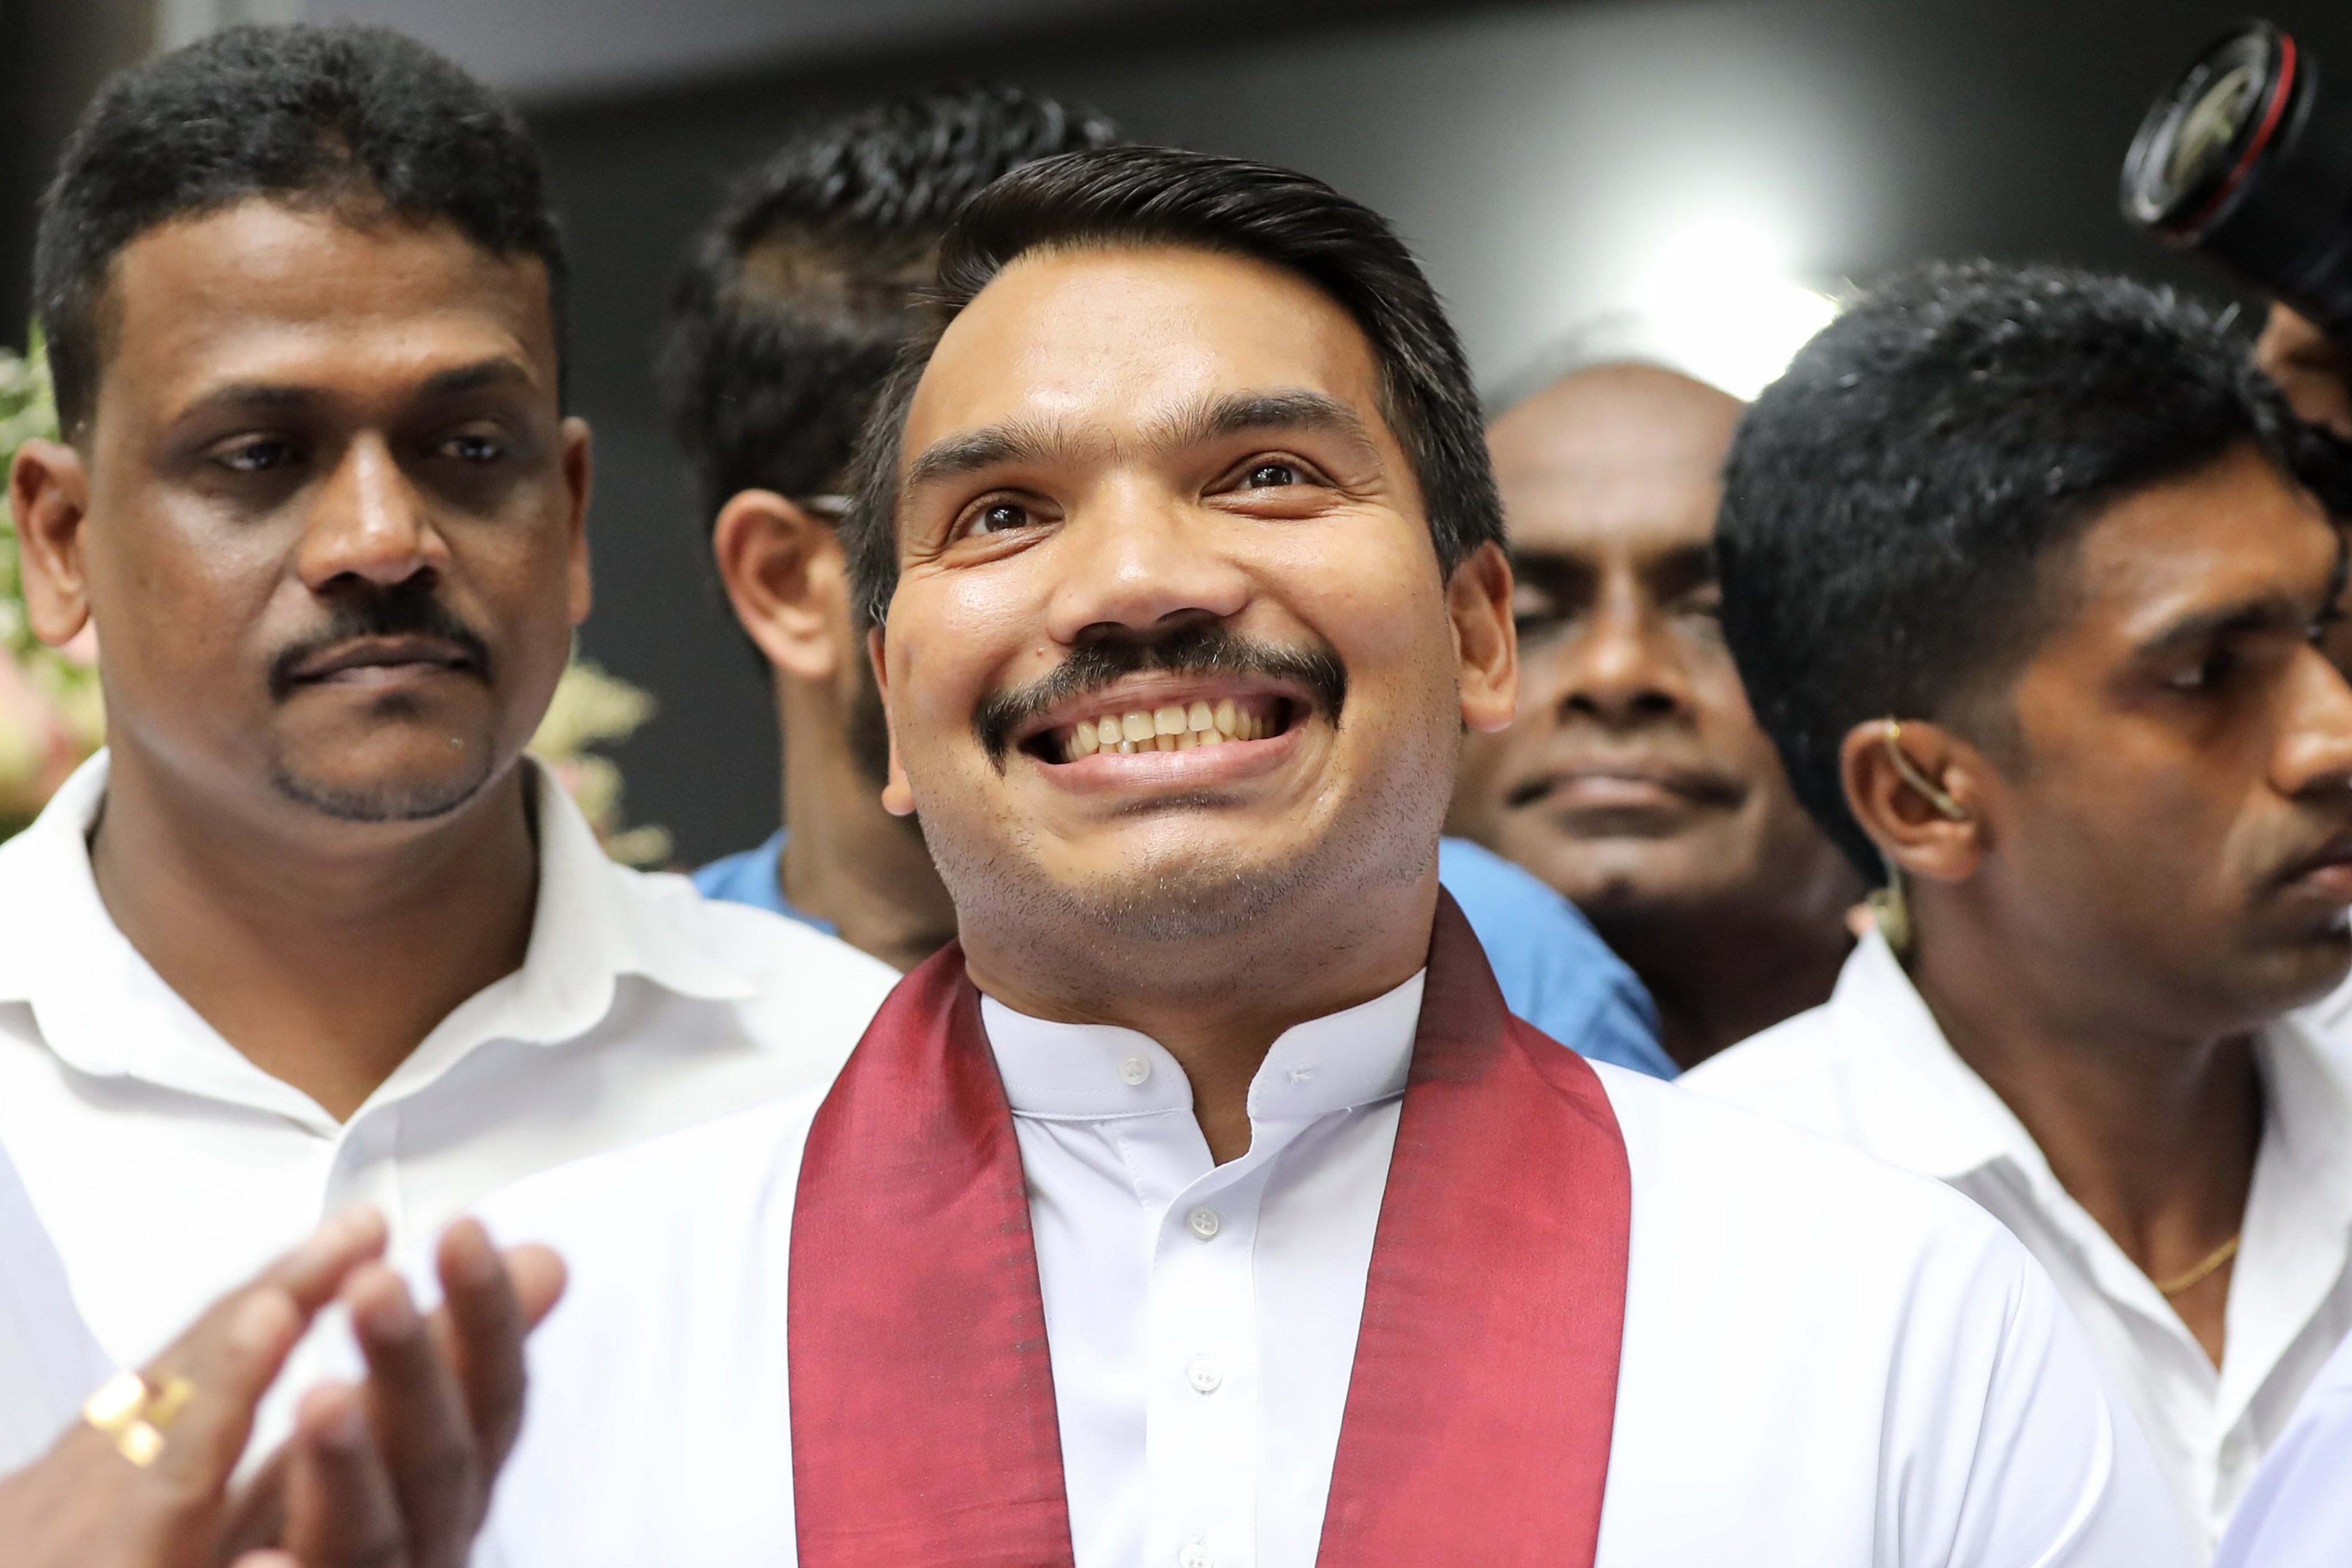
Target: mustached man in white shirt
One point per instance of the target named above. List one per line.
(1202, 1204)
(310, 932)
(2025, 581)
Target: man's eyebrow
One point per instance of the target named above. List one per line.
(1240, 413)
(501, 370)
(275, 396)
(2262, 613)
(970, 452)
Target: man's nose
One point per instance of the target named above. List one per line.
(2314, 756)
(367, 521)
(1618, 667)
(1138, 560)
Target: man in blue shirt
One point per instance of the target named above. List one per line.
(787, 317)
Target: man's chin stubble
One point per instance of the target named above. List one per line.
(380, 803)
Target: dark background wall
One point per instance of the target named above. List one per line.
(1548, 161)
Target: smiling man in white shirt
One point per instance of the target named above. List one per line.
(310, 930)
(2025, 580)
(1204, 1207)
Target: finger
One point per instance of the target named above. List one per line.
(489, 1304)
(314, 1271)
(421, 1423)
(229, 1360)
(342, 1510)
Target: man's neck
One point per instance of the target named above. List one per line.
(1748, 970)
(847, 861)
(2154, 1131)
(324, 952)
(1216, 1005)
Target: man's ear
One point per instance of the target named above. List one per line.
(49, 495)
(1922, 794)
(1485, 638)
(788, 580)
(579, 473)
(898, 795)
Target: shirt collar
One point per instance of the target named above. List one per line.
(1356, 1057)
(2308, 1121)
(1914, 1102)
(104, 1011)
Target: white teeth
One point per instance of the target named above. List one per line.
(1199, 717)
(1107, 730)
(1082, 740)
(1227, 724)
(1187, 741)
(1165, 742)
(1127, 748)
(1137, 726)
(1168, 721)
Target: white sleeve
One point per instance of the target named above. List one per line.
(2061, 1475)
(48, 1361)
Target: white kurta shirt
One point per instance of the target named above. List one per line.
(169, 1169)
(48, 1361)
(1870, 1067)
(1826, 1362)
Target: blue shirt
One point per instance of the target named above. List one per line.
(1553, 967)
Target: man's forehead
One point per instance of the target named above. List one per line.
(1620, 456)
(1124, 342)
(260, 291)
(2231, 533)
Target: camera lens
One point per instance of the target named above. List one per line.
(2246, 160)
(2198, 141)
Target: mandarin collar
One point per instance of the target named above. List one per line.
(1356, 1057)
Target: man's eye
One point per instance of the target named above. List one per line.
(2206, 673)
(474, 448)
(256, 457)
(1272, 475)
(997, 516)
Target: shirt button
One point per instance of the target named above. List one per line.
(1195, 1555)
(1134, 1069)
(1204, 1223)
(1204, 1376)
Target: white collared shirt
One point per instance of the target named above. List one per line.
(48, 1362)
(168, 1168)
(1870, 1067)
(1827, 1363)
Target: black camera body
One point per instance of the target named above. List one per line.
(2248, 160)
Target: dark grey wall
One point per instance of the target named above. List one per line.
(1534, 154)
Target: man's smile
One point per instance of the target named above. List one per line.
(1170, 728)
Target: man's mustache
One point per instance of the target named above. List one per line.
(1209, 648)
(380, 612)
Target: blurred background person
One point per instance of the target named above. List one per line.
(1634, 779)
(786, 318)
(2025, 581)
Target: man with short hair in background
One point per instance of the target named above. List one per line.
(2027, 578)
(786, 317)
(311, 931)
(1634, 778)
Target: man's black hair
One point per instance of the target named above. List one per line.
(791, 305)
(1892, 502)
(339, 117)
(1163, 196)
